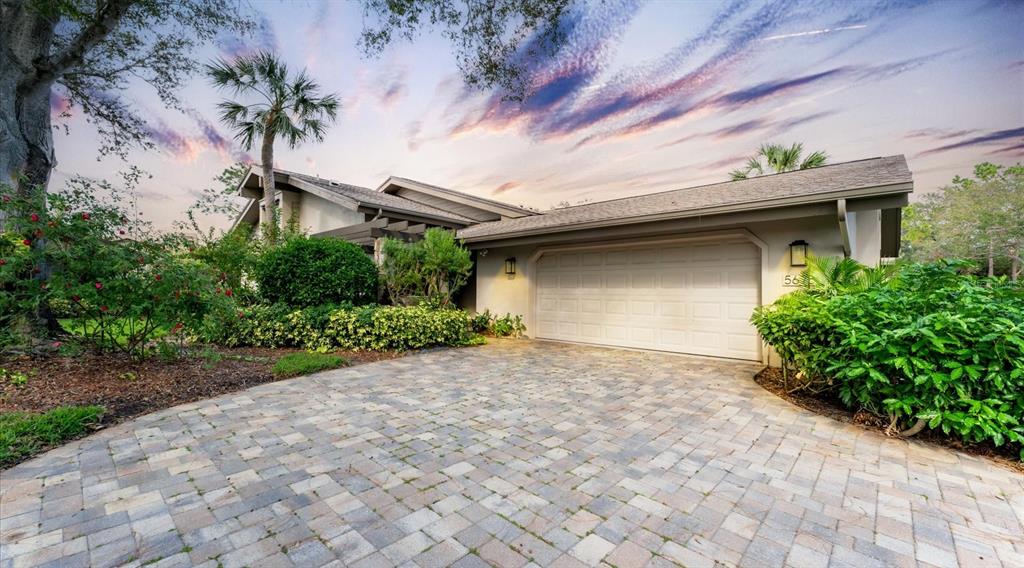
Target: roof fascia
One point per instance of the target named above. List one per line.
(346, 202)
(828, 197)
(456, 196)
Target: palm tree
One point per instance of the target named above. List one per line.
(777, 158)
(279, 105)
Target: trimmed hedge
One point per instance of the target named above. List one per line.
(323, 328)
(311, 272)
(931, 344)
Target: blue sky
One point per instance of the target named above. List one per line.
(644, 97)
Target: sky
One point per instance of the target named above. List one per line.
(643, 97)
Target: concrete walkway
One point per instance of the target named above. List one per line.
(506, 454)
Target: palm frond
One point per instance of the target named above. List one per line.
(814, 160)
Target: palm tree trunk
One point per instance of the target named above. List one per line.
(269, 189)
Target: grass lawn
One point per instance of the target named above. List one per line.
(294, 364)
(23, 434)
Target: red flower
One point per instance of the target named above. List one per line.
(7, 199)
(177, 327)
(26, 242)
(85, 216)
(120, 231)
(228, 292)
(57, 344)
(99, 286)
(34, 217)
(241, 315)
(158, 277)
(103, 308)
(3, 261)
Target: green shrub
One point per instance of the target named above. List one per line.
(322, 328)
(23, 435)
(313, 271)
(931, 344)
(295, 364)
(431, 270)
(498, 326)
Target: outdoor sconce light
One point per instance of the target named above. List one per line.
(798, 253)
(510, 266)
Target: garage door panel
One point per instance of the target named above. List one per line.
(642, 308)
(684, 298)
(706, 278)
(673, 308)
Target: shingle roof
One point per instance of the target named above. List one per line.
(523, 210)
(373, 198)
(758, 191)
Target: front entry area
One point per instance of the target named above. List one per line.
(693, 297)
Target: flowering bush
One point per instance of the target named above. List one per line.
(120, 284)
(329, 327)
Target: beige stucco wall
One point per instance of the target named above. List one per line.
(316, 214)
(503, 294)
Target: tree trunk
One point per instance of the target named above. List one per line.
(26, 137)
(991, 261)
(269, 188)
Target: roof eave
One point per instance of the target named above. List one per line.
(489, 205)
(870, 191)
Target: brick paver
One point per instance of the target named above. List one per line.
(512, 454)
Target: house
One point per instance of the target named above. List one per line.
(676, 271)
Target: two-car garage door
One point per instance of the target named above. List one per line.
(684, 297)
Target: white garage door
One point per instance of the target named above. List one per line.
(682, 297)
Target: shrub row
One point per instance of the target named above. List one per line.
(931, 344)
(340, 327)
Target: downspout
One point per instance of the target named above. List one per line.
(844, 226)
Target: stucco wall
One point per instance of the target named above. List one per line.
(316, 214)
(500, 293)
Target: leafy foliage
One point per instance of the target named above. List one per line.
(85, 55)
(494, 40)
(310, 271)
(23, 435)
(121, 283)
(980, 218)
(295, 364)
(498, 326)
(931, 343)
(322, 328)
(776, 158)
(430, 270)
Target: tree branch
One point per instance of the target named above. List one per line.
(47, 71)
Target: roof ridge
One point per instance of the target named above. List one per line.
(726, 182)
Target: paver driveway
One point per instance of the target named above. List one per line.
(503, 454)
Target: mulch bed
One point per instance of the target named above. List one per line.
(827, 404)
(129, 388)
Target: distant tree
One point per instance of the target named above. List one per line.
(776, 158)
(278, 105)
(89, 51)
(494, 40)
(980, 219)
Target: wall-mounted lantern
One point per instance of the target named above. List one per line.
(510, 266)
(798, 253)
